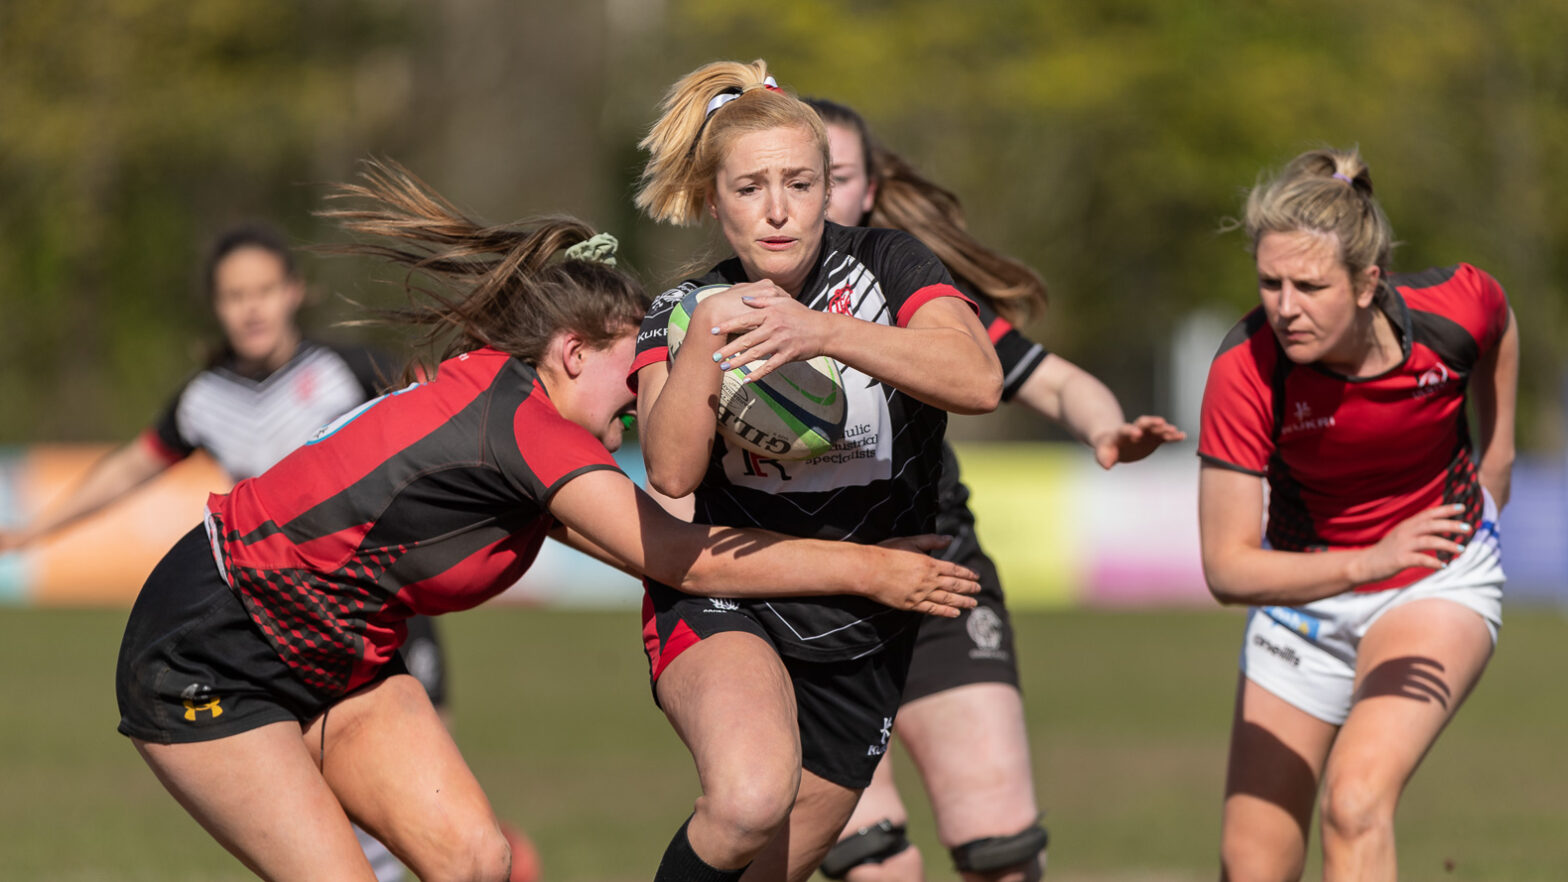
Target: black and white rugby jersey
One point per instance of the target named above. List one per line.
(249, 424)
(879, 481)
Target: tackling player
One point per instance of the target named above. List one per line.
(262, 652)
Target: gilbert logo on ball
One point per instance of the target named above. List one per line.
(795, 412)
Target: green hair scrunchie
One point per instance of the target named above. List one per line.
(600, 247)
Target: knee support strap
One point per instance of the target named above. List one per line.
(868, 845)
(1000, 852)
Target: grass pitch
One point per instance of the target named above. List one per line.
(1128, 711)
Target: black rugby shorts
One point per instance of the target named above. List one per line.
(845, 709)
(194, 667)
(976, 647)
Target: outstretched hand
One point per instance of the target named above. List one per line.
(910, 579)
(1133, 441)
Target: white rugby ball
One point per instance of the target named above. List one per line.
(795, 412)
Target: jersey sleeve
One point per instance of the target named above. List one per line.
(164, 437)
(1237, 422)
(1019, 354)
(653, 337)
(1491, 304)
(554, 450)
(911, 276)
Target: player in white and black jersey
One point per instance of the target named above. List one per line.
(962, 716)
(786, 705)
(265, 392)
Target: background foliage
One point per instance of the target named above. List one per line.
(1103, 143)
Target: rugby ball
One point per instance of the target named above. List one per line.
(795, 412)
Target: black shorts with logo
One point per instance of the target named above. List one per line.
(845, 709)
(194, 667)
(976, 647)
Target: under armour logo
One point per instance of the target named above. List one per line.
(198, 697)
(191, 708)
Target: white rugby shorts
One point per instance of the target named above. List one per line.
(1306, 654)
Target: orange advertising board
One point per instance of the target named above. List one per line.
(103, 559)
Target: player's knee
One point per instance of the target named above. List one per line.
(854, 857)
(478, 854)
(1018, 856)
(746, 810)
(1352, 808)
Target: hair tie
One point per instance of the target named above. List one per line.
(599, 248)
(1342, 177)
(734, 92)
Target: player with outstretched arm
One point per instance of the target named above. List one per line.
(1376, 584)
(962, 717)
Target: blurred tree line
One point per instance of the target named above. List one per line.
(1103, 143)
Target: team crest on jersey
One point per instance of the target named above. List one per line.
(1432, 381)
(669, 298)
(841, 301)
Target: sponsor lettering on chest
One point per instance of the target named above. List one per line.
(1300, 417)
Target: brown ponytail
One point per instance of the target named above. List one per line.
(503, 286)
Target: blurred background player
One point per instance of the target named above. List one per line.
(787, 705)
(265, 390)
(962, 717)
(262, 651)
(1376, 589)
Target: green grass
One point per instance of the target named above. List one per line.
(1128, 712)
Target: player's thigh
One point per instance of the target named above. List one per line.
(258, 793)
(397, 772)
(880, 801)
(1277, 752)
(1415, 666)
(730, 699)
(972, 750)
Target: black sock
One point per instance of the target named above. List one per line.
(681, 864)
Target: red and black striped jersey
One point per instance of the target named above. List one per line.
(877, 482)
(1348, 458)
(426, 500)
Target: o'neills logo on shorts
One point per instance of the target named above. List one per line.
(1285, 653)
